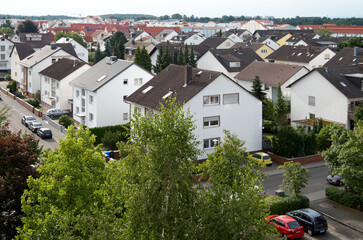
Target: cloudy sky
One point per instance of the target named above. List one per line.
(199, 8)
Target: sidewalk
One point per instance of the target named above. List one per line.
(272, 170)
(350, 217)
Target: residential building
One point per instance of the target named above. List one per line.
(218, 43)
(81, 51)
(346, 56)
(166, 35)
(260, 49)
(6, 46)
(18, 53)
(216, 102)
(99, 92)
(190, 38)
(36, 40)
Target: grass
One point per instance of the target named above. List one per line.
(269, 135)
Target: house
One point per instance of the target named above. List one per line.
(218, 43)
(166, 35)
(270, 75)
(296, 37)
(346, 56)
(18, 53)
(81, 51)
(55, 89)
(189, 38)
(260, 49)
(329, 93)
(6, 46)
(172, 47)
(99, 92)
(237, 35)
(228, 61)
(139, 35)
(132, 45)
(36, 40)
(254, 25)
(206, 31)
(310, 56)
(39, 60)
(269, 41)
(216, 102)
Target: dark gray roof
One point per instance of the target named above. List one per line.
(277, 32)
(213, 42)
(245, 56)
(100, 73)
(46, 39)
(296, 53)
(172, 78)
(23, 50)
(347, 79)
(252, 45)
(345, 57)
(62, 68)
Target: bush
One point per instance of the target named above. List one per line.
(344, 197)
(286, 143)
(65, 121)
(13, 88)
(8, 77)
(110, 139)
(282, 205)
(34, 102)
(100, 132)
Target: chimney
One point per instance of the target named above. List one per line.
(308, 48)
(53, 46)
(239, 49)
(356, 51)
(187, 75)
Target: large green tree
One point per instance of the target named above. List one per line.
(28, 26)
(160, 199)
(72, 35)
(158, 65)
(231, 205)
(117, 42)
(295, 177)
(98, 56)
(281, 108)
(142, 58)
(192, 61)
(257, 89)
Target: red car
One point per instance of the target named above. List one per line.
(288, 227)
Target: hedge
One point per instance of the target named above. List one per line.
(281, 205)
(344, 197)
(100, 131)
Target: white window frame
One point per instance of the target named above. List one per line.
(209, 100)
(125, 116)
(77, 93)
(230, 94)
(91, 117)
(90, 99)
(311, 100)
(211, 142)
(210, 122)
(234, 64)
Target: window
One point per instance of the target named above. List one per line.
(327, 56)
(266, 87)
(211, 121)
(138, 81)
(311, 116)
(125, 116)
(234, 64)
(311, 101)
(77, 93)
(210, 143)
(137, 110)
(57, 99)
(91, 117)
(230, 98)
(264, 51)
(83, 92)
(90, 99)
(228, 44)
(2, 56)
(211, 100)
(83, 105)
(2, 48)
(77, 109)
(125, 81)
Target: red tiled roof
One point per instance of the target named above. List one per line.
(154, 31)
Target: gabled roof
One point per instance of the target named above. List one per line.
(347, 79)
(213, 42)
(47, 51)
(46, 39)
(244, 56)
(345, 57)
(269, 73)
(252, 45)
(296, 53)
(62, 68)
(101, 73)
(23, 50)
(154, 31)
(172, 78)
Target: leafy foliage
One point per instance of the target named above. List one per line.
(66, 121)
(142, 58)
(13, 88)
(117, 42)
(295, 177)
(110, 139)
(34, 102)
(99, 132)
(281, 109)
(353, 42)
(282, 205)
(27, 27)
(72, 35)
(324, 137)
(358, 113)
(286, 142)
(98, 56)
(344, 197)
(4, 114)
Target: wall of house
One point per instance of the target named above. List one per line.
(287, 91)
(264, 51)
(194, 40)
(235, 38)
(226, 44)
(5, 49)
(81, 51)
(330, 104)
(282, 41)
(209, 62)
(321, 59)
(272, 44)
(15, 66)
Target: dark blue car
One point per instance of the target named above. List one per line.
(312, 221)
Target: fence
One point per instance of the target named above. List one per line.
(54, 124)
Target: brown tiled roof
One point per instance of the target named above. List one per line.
(345, 57)
(269, 73)
(172, 78)
(296, 53)
(213, 42)
(252, 45)
(62, 68)
(46, 39)
(23, 50)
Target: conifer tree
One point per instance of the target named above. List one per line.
(281, 108)
(146, 60)
(98, 55)
(157, 67)
(186, 55)
(192, 61)
(108, 48)
(257, 89)
(181, 57)
(138, 57)
(166, 58)
(175, 57)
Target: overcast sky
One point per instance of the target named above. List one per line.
(199, 8)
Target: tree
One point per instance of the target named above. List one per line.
(72, 35)
(27, 27)
(358, 113)
(166, 58)
(66, 121)
(180, 57)
(160, 199)
(142, 58)
(353, 42)
(286, 143)
(7, 24)
(351, 159)
(186, 55)
(192, 61)
(268, 116)
(6, 31)
(231, 205)
(281, 109)
(98, 55)
(257, 89)
(158, 65)
(322, 32)
(108, 48)
(4, 114)
(117, 42)
(65, 202)
(295, 177)
(17, 163)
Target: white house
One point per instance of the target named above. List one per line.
(189, 38)
(270, 75)
(271, 43)
(215, 101)
(6, 46)
(36, 62)
(166, 35)
(328, 93)
(81, 51)
(99, 92)
(55, 89)
(19, 52)
(218, 43)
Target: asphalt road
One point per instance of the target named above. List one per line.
(17, 111)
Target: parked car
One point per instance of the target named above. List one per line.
(335, 180)
(45, 133)
(56, 112)
(312, 221)
(34, 126)
(287, 226)
(261, 158)
(27, 119)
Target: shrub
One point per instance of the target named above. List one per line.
(110, 139)
(100, 131)
(34, 102)
(281, 205)
(13, 88)
(8, 77)
(286, 143)
(65, 121)
(344, 197)
(310, 144)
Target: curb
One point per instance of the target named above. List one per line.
(274, 172)
(335, 219)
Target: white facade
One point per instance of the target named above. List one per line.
(315, 97)
(235, 38)
(227, 44)
(243, 118)
(81, 51)
(209, 62)
(5, 49)
(16, 71)
(271, 43)
(321, 59)
(57, 93)
(195, 39)
(106, 106)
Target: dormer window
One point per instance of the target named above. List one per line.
(235, 64)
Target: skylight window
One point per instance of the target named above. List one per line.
(343, 84)
(299, 54)
(354, 59)
(340, 59)
(101, 78)
(147, 89)
(167, 95)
